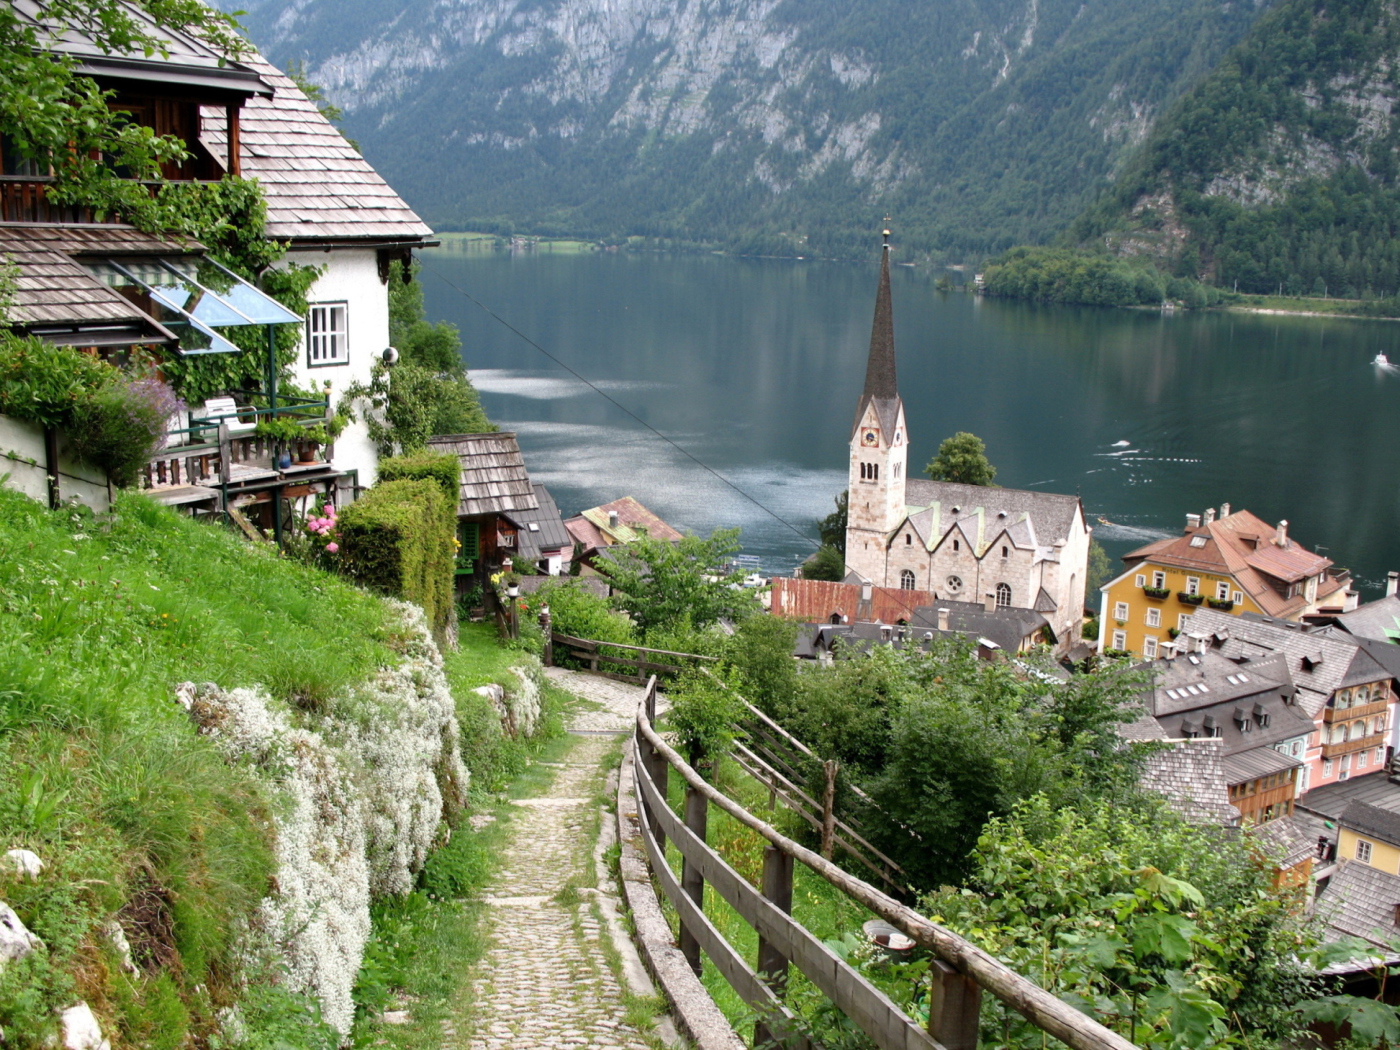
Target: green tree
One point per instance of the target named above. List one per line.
(1100, 571)
(826, 563)
(661, 584)
(962, 458)
(436, 347)
(1173, 935)
(832, 528)
(404, 405)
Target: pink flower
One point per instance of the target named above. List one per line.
(328, 510)
(332, 548)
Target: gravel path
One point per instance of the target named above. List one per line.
(546, 982)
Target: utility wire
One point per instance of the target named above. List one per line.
(617, 404)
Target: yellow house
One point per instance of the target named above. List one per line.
(1235, 563)
(1371, 835)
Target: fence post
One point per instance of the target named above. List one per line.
(829, 808)
(656, 765)
(547, 627)
(955, 1007)
(773, 964)
(692, 883)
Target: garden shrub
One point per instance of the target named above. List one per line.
(442, 467)
(399, 539)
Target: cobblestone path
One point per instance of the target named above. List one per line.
(546, 982)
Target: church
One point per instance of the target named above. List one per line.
(1007, 548)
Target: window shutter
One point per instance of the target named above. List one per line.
(469, 535)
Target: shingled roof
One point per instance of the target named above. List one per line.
(54, 289)
(318, 188)
(1360, 901)
(1191, 776)
(494, 478)
(541, 528)
(881, 385)
(1031, 519)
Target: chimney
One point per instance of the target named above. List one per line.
(1193, 521)
(943, 618)
(1169, 650)
(1281, 534)
(1224, 510)
(865, 592)
(1392, 582)
(1209, 516)
(989, 602)
(612, 519)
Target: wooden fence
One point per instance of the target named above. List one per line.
(960, 973)
(596, 653)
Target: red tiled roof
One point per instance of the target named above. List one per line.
(817, 600)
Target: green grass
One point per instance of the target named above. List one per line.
(1299, 305)
(135, 814)
(477, 242)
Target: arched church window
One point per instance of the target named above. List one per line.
(1003, 596)
(906, 580)
(955, 545)
(908, 539)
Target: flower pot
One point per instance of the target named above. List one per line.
(307, 454)
(284, 460)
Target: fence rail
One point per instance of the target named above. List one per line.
(961, 972)
(590, 651)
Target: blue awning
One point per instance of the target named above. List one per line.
(194, 297)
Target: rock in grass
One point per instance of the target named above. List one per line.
(24, 862)
(81, 1030)
(15, 939)
(116, 937)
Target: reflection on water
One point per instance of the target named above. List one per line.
(754, 366)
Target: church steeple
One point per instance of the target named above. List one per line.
(879, 367)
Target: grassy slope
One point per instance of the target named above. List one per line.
(102, 774)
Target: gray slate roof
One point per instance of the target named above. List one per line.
(1191, 776)
(1007, 627)
(317, 187)
(1383, 824)
(1331, 800)
(1360, 901)
(494, 478)
(1255, 763)
(548, 533)
(1320, 660)
(1194, 692)
(54, 288)
(1051, 516)
(881, 385)
(1379, 620)
(1287, 840)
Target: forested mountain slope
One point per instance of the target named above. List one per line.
(779, 125)
(1280, 169)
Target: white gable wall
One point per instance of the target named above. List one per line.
(351, 277)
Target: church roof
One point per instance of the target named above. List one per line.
(881, 386)
(1031, 518)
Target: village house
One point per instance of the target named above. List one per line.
(106, 287)
(623, 520)
(1339, 685)
(962, 543)
(1235, 563)
(501, 514)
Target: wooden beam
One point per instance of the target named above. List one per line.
(235, 139)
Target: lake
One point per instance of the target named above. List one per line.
(753, 367)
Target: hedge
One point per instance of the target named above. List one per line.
(398, 538)
(442, 467)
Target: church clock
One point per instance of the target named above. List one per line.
(870, 438)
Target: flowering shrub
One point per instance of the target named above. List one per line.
(522, 701)
(365, 785)
(322, 532)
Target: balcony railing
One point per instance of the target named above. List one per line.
(1347, 714)
(1349, 747)
(25, 198)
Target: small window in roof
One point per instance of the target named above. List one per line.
(1198, 541)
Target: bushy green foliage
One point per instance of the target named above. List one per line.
(962, 458)
(832, 528)
(760, 653)
(405, 405)
(442, 468)
(660, 583)
(398, 538)
(825, 564)
(1171, 934)
(112, 422)
(135, 815)
(436, 347)
(703, 711)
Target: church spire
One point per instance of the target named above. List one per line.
(879, 369)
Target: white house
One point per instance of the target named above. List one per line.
(335, 212)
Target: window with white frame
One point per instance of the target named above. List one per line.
(906, 580)
(1139, 580)
(1003, 596)
(1159, 580)
(1236, 597)
(1193, 585)
(1222, 591)
(1361, 759)
(1181, 619)
(1120, 640)
(1326, 768)
(1363, 851)
(1154, 617)
(1120, 610)
(1149, 648)
(327, 335)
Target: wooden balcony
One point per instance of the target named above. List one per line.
(1350, 747)
(25, 198)
(1347, 714)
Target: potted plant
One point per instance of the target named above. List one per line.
(1185, 598)
(1156, 592)
(1223, 604)
(283, 433)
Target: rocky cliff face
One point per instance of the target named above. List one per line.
(793, 122)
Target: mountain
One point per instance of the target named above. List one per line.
(758, 125)
(1279, 170)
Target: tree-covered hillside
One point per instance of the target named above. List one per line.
(1279, 171)
(765, 126)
